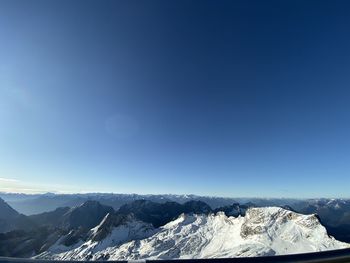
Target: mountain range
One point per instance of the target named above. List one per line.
(192, 229)
(261, 232)
(333, 213)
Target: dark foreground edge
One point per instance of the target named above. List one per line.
(342, 255)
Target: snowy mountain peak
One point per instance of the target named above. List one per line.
(277, 223)
(261, 232)
(111, 222)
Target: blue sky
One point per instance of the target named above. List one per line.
(228, 98)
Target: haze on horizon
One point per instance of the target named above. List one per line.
(228, 98)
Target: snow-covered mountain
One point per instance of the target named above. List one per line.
(261, 232)
(113, 231)
(333, 213)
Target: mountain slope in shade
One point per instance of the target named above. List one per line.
(10, 219)
(235, 209)
(261, 232)
(52, 218)
(158, 214)
(6, 211)
(86, 216)
(113, 231)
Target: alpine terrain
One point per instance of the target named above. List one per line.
(260, 232)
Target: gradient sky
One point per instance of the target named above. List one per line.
(227, 98)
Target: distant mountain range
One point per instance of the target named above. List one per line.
(91, 229)
(39, 203)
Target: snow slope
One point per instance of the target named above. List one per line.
(131, 230)
(261, 232)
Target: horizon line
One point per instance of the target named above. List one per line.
(169, 194)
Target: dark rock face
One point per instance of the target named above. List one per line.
(6, 211)
(105, 227)
(85, 216)
(52, 218)
(74, 236)
(108, 223)
(196, 207)
(155, 213)
(159, 214)
(235, 209)
(10, 219)
(340, 232)
(21, 243)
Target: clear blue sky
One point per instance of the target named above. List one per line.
(228, 98)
